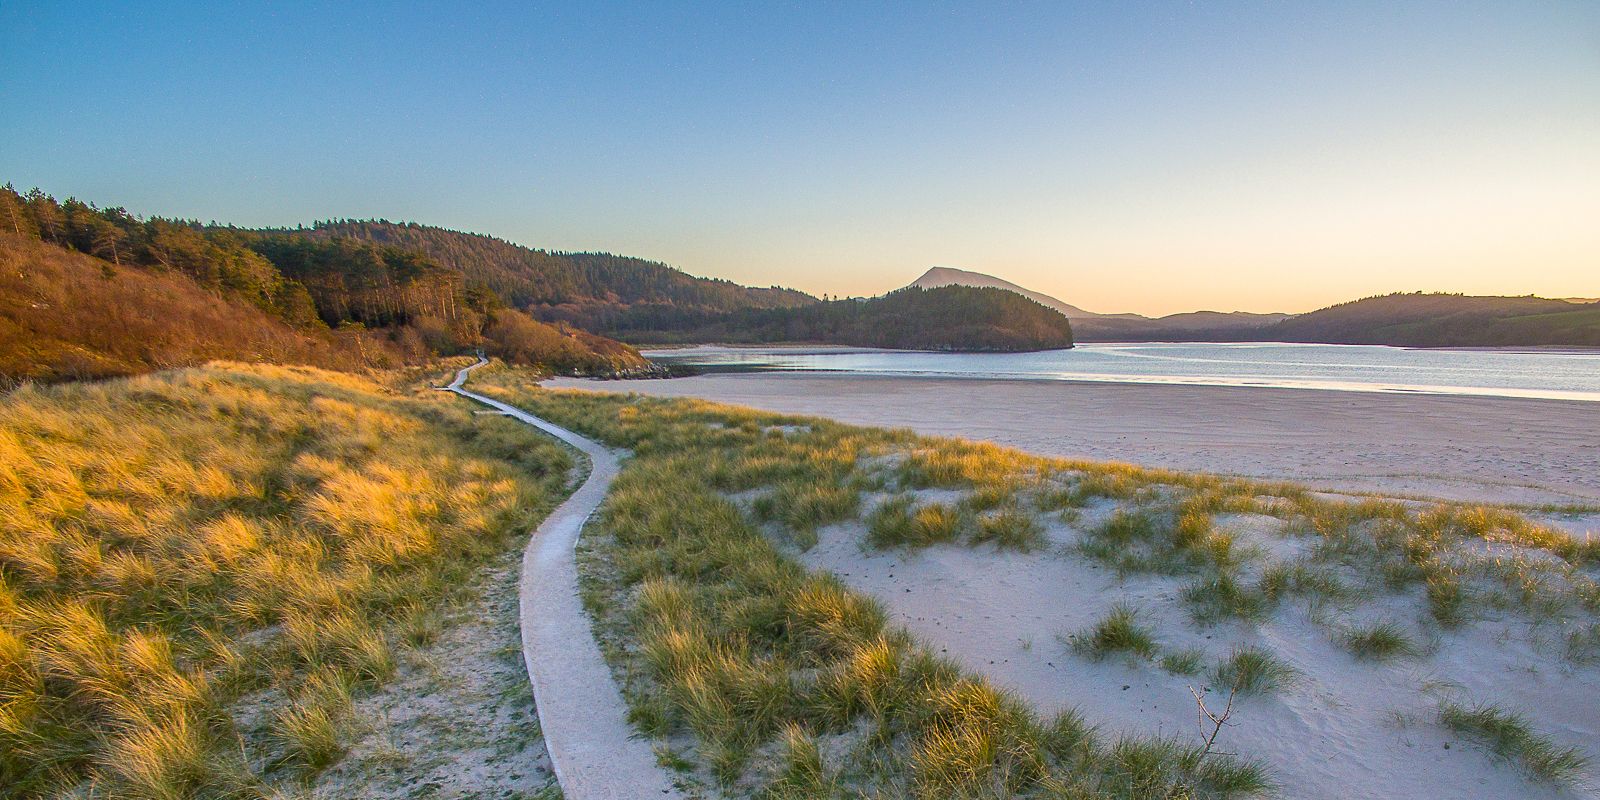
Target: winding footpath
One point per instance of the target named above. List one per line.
(594, 750)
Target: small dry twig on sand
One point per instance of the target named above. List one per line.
(1203, 715)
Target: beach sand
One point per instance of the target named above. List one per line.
(1480, 449)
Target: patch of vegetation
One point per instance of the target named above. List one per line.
(1223, 597)
(1254, 670)
(899, 522)
(1583, 644)
(1384, 641)
(1303, 579)
(1118, 632)
(1188, 661)
(175, 542)
(1010, 528)
(804, 505)
(1509, 736)
(1164, 539)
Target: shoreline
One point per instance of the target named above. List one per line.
(1509, 451)
(1138, 380)
(1109, 362)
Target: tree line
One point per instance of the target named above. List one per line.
(417, 306)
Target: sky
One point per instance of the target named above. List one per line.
(1147, 157)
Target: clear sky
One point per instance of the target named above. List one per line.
(1153, 157)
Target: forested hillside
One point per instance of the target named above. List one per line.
(1444, 320)
(95, 292)
(945, 318)
(66, 315)
(562, 286)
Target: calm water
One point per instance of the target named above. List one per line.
(1556, 375)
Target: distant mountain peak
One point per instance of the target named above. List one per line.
(950, 276)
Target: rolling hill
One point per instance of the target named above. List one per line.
(956, 318)
(1445, 320)
(1090, 326)
(568, 287)
(950, 276)
(90, 292)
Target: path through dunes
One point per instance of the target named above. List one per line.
(592, 747)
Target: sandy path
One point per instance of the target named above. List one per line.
(1483, 449)
(592, 747)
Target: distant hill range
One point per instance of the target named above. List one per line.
(950, 276)
(1443, 320)
(1408, 320)
(963, 318)
(1090, 326)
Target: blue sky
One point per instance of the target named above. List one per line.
(1152, 157)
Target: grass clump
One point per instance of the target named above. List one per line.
(311, 733)
(1119, 631)
(899, 522)
(1222, 597)
(804, 505)
(1254, 670)
(1169, 768)
(1010, 528)
(802, 775)
(1384, 641)
(1188, 661)
(1509, 736)
(1583, 644)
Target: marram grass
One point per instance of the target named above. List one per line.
(762, 679)
(174, 542)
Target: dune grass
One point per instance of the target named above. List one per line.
(743, 663)
(900, 522)
(175, 542)
(936, 492)
(1186, 661)
(1510, 736)
(1383, 641)
(1254, 670)
(1010, 527)
(1118, 632)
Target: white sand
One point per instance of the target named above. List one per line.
(1482, 449)
(1348, 729)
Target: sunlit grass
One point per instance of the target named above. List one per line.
(671, 519)
(175, 541)
(748, 663)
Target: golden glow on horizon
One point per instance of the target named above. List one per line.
(1488, 216)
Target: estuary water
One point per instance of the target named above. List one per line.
(1557, 375)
